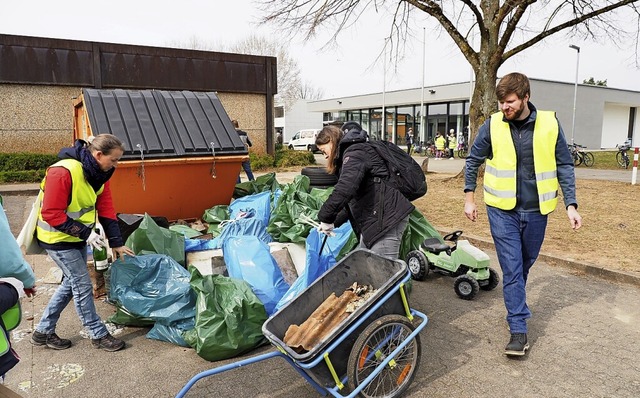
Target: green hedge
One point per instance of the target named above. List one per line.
(283, 158)
(21, 176)
(25, 161)
(24, 167)
(30, 167)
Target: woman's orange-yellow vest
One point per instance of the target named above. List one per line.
(82, 207)
(500, 173)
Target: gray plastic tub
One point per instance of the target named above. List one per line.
(361, 266)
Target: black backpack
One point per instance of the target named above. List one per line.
(405, 174)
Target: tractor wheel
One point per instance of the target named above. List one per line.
(418, 265)
(492, 282)
(466, 287)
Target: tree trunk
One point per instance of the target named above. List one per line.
(484, 101)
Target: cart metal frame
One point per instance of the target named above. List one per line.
(301, 367)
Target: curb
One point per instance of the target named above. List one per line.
(585, 268)
(19, 192)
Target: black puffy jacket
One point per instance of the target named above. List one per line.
(371, 205)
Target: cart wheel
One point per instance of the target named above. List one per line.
(373, 346)
(418, 265)
(493, 281)
(466, 287)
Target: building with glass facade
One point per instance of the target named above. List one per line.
(604, 116)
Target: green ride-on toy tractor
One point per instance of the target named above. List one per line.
(460, 259)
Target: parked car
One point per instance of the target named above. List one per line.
(304, 140)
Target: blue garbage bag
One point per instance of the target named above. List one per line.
(248, 258)
(153, 286)
(259, 202)
(317, 263)
(245, 226)
(172, 333)
(196, 245)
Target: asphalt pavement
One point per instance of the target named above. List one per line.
(583, 337)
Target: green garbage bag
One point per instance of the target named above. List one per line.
(229, 317)
(266, 182)
(296, 199)
(185, 230)
(125, 317)
(149, 237)
(418, 229)
(214, 216)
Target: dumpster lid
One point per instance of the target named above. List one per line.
(163, 124)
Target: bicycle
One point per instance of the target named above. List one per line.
(463, 150)
(622, 157)
(581, 156)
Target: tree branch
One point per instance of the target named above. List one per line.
(568, 24)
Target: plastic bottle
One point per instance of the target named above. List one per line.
(100, 261)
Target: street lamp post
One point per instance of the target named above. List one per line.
(575, 92)
(383, 134)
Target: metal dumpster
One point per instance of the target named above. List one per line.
(182, 154)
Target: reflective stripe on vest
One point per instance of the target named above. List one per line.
(500, 173)
(81, 208)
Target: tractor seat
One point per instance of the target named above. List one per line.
(433, 245)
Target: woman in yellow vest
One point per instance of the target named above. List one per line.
(76, 195)
(441, 143)
(16, 279)
(527, 160)
(452, 142)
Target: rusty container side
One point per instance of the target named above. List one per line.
(174, 188)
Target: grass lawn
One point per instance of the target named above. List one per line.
(607, 159)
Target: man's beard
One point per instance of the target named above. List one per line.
(516, 114)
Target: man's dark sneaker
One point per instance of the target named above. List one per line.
(518, 345)
(108, 343)
(51, 340)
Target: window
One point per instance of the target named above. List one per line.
(278, 111)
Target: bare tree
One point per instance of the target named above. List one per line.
(499, 29)
(310, 92)
(288, 70)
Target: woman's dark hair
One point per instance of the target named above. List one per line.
(333, 135)
(104, 143)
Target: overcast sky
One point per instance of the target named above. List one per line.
(348, 69)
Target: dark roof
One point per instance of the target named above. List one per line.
(164, 124)
(38, 60)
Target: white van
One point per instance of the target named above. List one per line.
(304, 140)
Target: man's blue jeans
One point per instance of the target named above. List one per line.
(246, 165)
(76, 285)
(518, 237)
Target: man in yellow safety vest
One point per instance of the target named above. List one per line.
(527, 160)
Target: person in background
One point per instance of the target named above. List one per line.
(246, 165)
(76, 195)
(378, 213)
(452, 143)
(441, 144)
(16, 279)
(409, 140)
(527, 160)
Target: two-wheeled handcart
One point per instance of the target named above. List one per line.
(374, 352)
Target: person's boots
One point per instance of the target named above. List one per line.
(518, 345)
(108, 343)
(51, 340)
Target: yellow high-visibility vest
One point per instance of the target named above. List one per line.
(11, 319)
(500, 174)
(82, 207)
